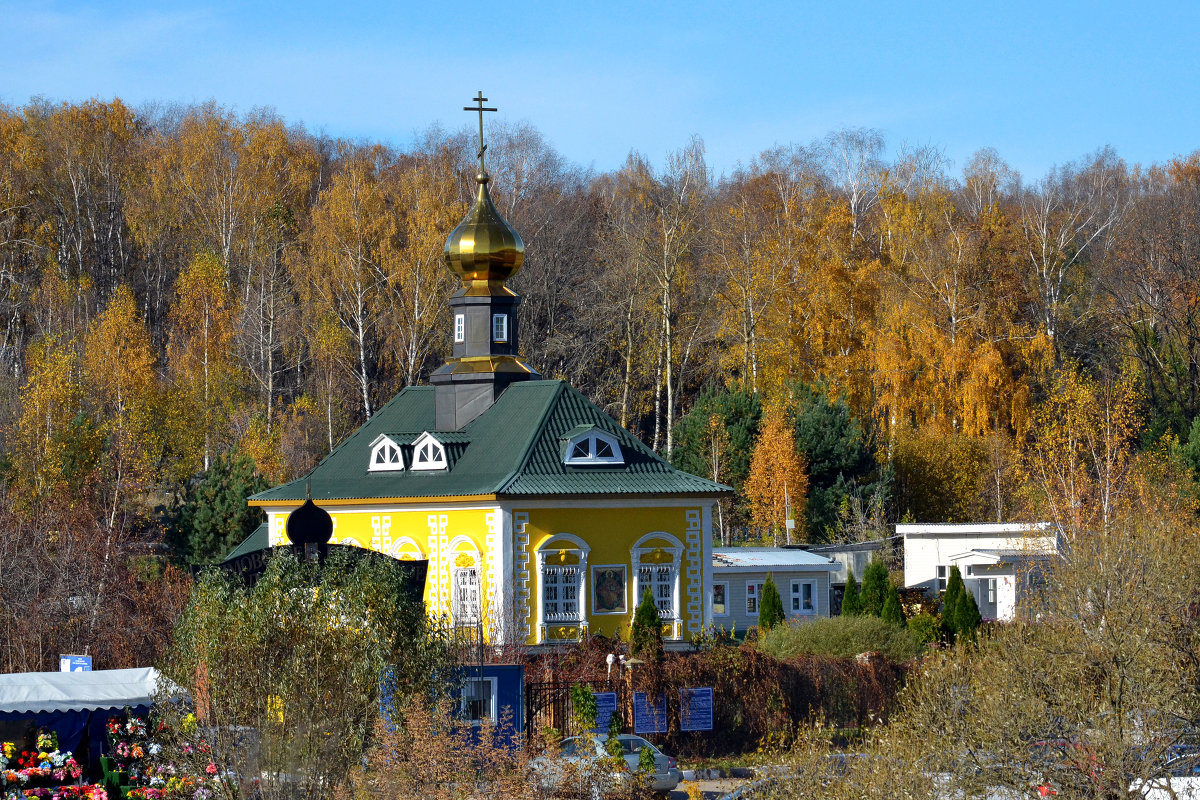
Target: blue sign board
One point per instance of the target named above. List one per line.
(606, 706)
(696, 709)
(74, 663)
(649, 718)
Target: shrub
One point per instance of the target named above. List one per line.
(646, 761)
(583, 706)
(925, 628)
(770, 611)
(851, 600)
(840, 636)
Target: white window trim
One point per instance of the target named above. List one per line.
(499, 327)
(460, 328)
(676, 551)
(724, 613)
(593, 437)
(571, 543)
(798, 585)
(382, 443)
(491, 710)
(439, 453)
(757, 586)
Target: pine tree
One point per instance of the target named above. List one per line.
(950, 601)
(851, 600)
(770, 610)
(214, 517)
(892, 611)
(645, 635)
(874, 588)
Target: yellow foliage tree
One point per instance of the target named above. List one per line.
(122, 384)
(55, 449)
(777, 485)
(1081, 454)
(199, 351)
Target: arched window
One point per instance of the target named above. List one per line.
(561, 565)
(385, 456)
(593, 446)
(656, 558)
(428, 453)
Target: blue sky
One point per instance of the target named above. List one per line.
(1043, 83)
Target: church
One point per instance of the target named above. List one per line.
(543, 521)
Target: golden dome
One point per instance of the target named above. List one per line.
(484, 248)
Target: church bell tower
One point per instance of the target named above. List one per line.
(484, 252)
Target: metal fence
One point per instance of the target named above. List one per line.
(548, 705)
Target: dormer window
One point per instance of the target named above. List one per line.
(428, 453)
(593, 447)
(385, 456)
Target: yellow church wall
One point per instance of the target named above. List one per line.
(610, 536)
(447, 537)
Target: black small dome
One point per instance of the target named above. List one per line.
(309, 524)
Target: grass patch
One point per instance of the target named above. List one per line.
(843, 637)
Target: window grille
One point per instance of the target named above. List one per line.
(560, 594)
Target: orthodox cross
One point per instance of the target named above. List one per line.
(479, 100)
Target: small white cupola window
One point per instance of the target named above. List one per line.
(593, 446)
(385, 456)
(428, 453)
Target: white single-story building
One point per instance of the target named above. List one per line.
(739, 573)
(998, 561)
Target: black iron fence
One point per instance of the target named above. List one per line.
(548, 705)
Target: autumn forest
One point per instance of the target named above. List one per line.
(190, 292)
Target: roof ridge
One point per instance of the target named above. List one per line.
(538, 432)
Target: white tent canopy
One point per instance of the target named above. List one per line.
(31, 692)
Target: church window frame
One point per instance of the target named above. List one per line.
(385, 456)
(593, 447)
(460, 328)
(658, 568)
(466, 606)
(562, 584)
(499, 327)
(428, 454)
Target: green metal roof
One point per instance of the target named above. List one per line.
(512, 449)
(258, 540)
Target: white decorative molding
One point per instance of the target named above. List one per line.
(695, 570)
(521, 550)
(439, 562)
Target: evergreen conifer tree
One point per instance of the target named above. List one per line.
(893, 612)
(645, 635)
(968, 617)
(770, 609)
(851, 600)
(874, 588)
(950, 601)
(214, 517)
